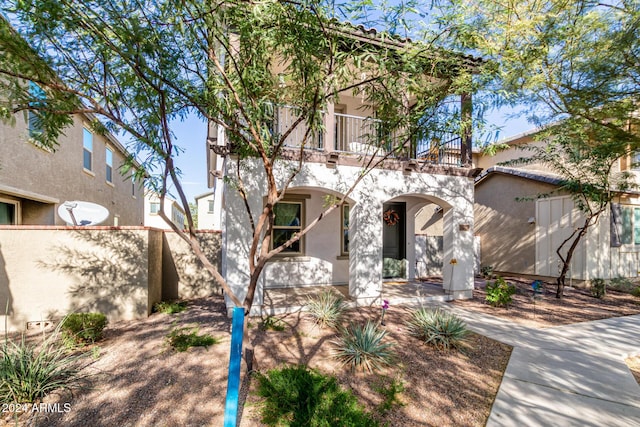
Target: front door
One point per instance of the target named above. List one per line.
(393, 240)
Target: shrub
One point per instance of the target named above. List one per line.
(29, 372)
(636, 292)
(83, 328)
(598, 288)
(297, 396)
(499, 293)
(362, 347)
(273, 324)
(622, 284)
(170, 307)
(438, 328)
(486, 271)
(180, 339)
(327, 308)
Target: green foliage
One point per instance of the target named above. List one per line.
(636, 292)
(598, 288)
(273, 324)
(83, 328)
(438, 328)
(297, 396)
(180, 339)
(622, 284)
(363, 347)
(170, 307)
(28, 372)
(390, 391)
(499, 293)
(326, 308)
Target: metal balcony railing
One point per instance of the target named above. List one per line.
(285, 119)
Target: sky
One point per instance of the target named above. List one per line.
(191, 135)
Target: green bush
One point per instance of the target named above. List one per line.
(362, 347)
(598, 288)
(326, 308)
(180, 339)
(170, 307)
(636, 292)
(438, 328)
(83, 328)
(297, 396)
(486, 271)
(29, 372)
(622, 284)
(499, 292)
(273, 324)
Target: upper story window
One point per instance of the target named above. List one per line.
(154, 207)
(635, 161)
(34, 121)
(87, 149)
(210, 208)
(109, 165)
(287, 222)
(133, 185)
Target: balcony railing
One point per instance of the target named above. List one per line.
(367, 136)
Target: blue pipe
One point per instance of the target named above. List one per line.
(235, 359)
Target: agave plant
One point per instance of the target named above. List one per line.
(438, 328)
(362, 347)
(326, 308)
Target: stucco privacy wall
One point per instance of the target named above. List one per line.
(454, 193)
(46, 272)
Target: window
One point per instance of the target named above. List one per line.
(625, 225)
(154, 207)
(635, 161)
(210, 210)
(344, 235)
(109, 161)
(87, 149)
(177, 217)
(286, 223)
(133, 186)
(34, 120)
(9, 212)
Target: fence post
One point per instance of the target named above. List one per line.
(235, 358)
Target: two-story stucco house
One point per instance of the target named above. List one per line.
(85, 166)
(372, 238)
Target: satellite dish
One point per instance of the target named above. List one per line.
(82, 213)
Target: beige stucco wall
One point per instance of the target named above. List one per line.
(507, 238)
(47, 272)
(59, 175)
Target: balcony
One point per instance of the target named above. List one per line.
(355, 135)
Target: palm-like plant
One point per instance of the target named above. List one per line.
(363, 347)
(326, 308)
(438, 328)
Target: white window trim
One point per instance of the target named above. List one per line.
(107, 165)
(92, 151)
(18, 208)
(301, 202)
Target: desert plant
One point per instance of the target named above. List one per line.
(389, 390)
(438, 328)
(598, 288)
(622, 284)
(298, 396)
(28, 372)
(486, 271)
(170, 307)
(362, 347)
(499, 293)
(326, 308)
(273, 324)
(180, 339)
(83, 328)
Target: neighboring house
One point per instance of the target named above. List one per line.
(85, 166)
(171, 208)
(373, 237)
(521, 237)
(209, 211)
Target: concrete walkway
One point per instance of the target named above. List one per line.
(572, 375)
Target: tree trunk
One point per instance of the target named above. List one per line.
(567, 260)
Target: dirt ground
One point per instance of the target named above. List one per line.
(135, 379)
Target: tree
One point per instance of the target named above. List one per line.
(574, 66)
(140, 66)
